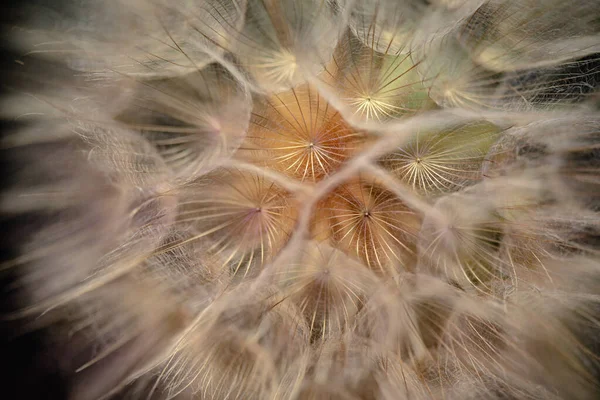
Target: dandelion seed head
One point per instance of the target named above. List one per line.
(317, 199)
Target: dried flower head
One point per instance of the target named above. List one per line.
(307, 199)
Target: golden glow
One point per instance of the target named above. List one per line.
(246, 217)
(300, 134)
(369, 222)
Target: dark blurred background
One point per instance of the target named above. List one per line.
(30, 366)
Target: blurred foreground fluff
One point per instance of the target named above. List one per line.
(311, 199)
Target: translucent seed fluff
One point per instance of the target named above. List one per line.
(302, 199)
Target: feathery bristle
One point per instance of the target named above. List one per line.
(305, 199)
